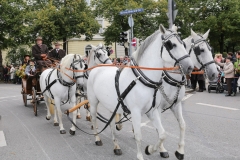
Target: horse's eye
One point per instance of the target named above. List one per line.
(202, 50)
(174, 45)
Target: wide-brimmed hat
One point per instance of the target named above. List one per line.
(57, 44)
(38, 38)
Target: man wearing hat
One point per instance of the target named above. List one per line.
(57, 53)
(39, 52)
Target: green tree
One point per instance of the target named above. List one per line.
(12, 28)
(16, 55)
(62, 19)
(145, 23)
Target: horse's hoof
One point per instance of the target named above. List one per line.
(88, 118)
(99, 143)
(146, 151)
(179, 155)
(72, 132)
(118, 128)
(78, 117)
(117, 152)
(164, 154)
(62, 132)
(56, 124)
(48, 118)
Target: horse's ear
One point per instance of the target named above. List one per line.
(174, 28)
(75, 56)
(205, 36)
(93, 47)
(100, 45)
(193, 34)
(162, 29)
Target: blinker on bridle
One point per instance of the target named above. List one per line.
(197, 51)
(98, 55)
(169, 46)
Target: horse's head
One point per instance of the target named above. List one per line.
(201, 53)
(100, 55)
(173, 50)
(74, 62)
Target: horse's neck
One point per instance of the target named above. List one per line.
(151, 58)
(91, 62)
(66, 75)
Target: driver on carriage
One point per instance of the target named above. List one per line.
(57, 53)
(39, 52)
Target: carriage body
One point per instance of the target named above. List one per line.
(31, 91)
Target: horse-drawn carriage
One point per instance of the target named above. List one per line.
(31, 88)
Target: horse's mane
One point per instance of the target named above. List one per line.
(67, 60)
(144, 46)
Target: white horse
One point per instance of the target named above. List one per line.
(98, 55)
(64, 88)
(163, 46)
(173, 90)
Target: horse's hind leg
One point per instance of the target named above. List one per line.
(156, 121)
(136, 121)
(177, 110)
(117, 150)
(118, 117)
(48, 117)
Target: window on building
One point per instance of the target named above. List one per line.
(100, 21)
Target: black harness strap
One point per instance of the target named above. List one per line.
(120, 101)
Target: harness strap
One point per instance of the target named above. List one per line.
(120, 98)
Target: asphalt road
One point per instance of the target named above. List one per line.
(213, 128)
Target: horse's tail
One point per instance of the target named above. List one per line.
(51, 105)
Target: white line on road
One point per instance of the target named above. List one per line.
(2, 139)
(8, 97)
(187, 96)
(216, 106)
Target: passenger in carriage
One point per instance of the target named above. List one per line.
(39, 52)
(57, 53)
(30, 69)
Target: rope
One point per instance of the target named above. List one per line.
(123, 66)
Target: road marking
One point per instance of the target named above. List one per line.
(216, 106)
(2, 139)
(8, 97)
(186, 97)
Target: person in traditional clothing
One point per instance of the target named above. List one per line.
(30, 69)
(57, 53)
(39, 52)
(26, 59)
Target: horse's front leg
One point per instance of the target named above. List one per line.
(136, 121)
(73, 128)
(58, 105)
(118, 117)
(156, 121)
(177, 111)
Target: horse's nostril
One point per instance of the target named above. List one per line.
(190, 69)
(213, 75)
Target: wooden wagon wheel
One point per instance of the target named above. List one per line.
(34, 100)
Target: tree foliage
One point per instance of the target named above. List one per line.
(61, 19)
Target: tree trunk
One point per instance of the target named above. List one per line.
(221, 43)
(65, 44)
(1, 66)
(233, 48)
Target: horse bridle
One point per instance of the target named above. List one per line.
(169, 46)
(197, 51)
(98, 55)
(72, 66)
